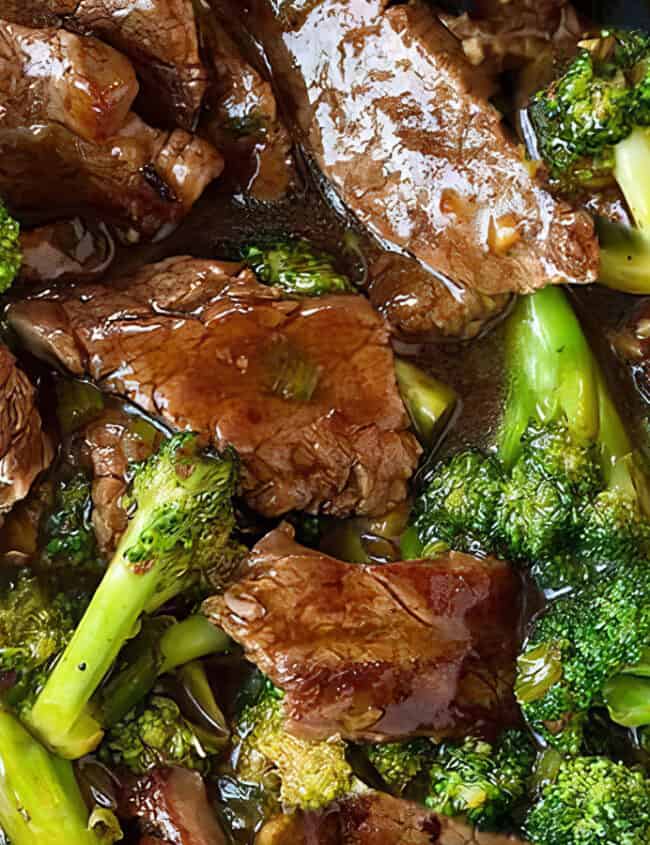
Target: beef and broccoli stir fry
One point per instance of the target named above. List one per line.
(324, 422)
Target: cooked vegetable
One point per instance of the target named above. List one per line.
(566, 491)
(40, 801)
(309, 775)
(297, 267)
(69, 535)
(592, 801)
(399, 762)
(430, 403)
(181, 518)
(10, 255)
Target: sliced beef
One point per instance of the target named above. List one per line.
(171, 808)
(394, 115)
(374, 818)
(632, 344)
(242, 117)
(51, 76)
(304, 390)
(159, 36)
(25, 449)
(378, 652)
(71, 250)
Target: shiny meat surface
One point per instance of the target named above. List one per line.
(375, 819)
(632, 344)
(52, 76)
(378, 652)
(242, 117)
(171, 808)
(72, 250)
(388, 105)
(159, 36)
(142, 179)
(25, 449)
(304, 390)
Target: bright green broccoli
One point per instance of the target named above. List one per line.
(398, 763)
(565, 492)
(297, 267)
(590, 648)
(40, 800)
(592, 801)
(181, 519)
(481, 781)
(309, 775)
(10, 255)
(69, 534)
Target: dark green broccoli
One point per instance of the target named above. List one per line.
(591, 801)
(481, 781)
(10, 254)
(309, 775)
(590, 648)
(566, 492)
(77, 403)
(398, 763)
(297, 267)
(69, 534)
(40, 800)
(179, 534)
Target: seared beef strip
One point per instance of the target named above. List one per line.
(386, 102)
(171, 808)
(304, 390)
(72, 250)
(374, 819)
(52, 76)
(378, 652)
(242, 117)
(159, 36)
(25, 449)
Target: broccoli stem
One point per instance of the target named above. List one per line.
(631, 171)
(181, 643)
(40, 801)
(554, 376)
(429, 402)
(627, 698)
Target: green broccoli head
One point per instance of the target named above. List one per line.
(156, 734)
(580, 644)
(593, 106)
(297, 267)
(310, 775)
(10, 255)
(397, 763)
(592, 801)
(481, 781)
(69, 534)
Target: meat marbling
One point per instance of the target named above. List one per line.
(305, 390)
(377, 653)
(393, 113)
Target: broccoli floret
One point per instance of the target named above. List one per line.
(566, 492)
(297, 267)
(481, 781)
(40, 800)
(398, 763)
(178, 536)
(592, 801)
(10, 254)
(579, 648)
(156, 734)
(310, 775)
(69, 534)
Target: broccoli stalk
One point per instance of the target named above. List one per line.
(429, 402)
(181, 518)
(40, 801)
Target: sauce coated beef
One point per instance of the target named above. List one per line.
(170, 807)
(159, 36)
(632, 344)
(304, 390)
(69, 250)
(378, 652)
(398, 120)
(68, 140)
(25, 449)
(374, 819)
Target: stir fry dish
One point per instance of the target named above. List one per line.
(324, 422)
